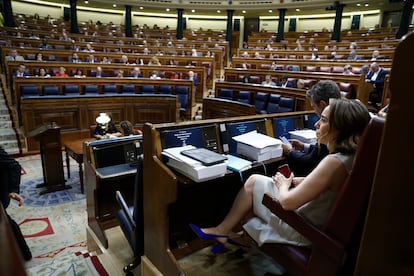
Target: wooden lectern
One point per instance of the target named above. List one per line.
(48, 136)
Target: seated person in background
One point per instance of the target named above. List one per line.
(340, 127)
(79, 74)
(120, 74)
(155, 75)
(375, 55)
(376, 76)
(303, 158)
(111, 132)
(42, 73)
(13, 55)
(154, 61)
(39, 57)
(98, 73)
(75, 58)
(61, 73)
(136, 73)
(191, 76)
(284, 82)
(300, 83)
(268, 81)
(21, 71)
(128, 129)
(348, 70)
(91, 59)
(246, 78)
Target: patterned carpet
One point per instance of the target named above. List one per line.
(53, 224)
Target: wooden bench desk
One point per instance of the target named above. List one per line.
(74, 149)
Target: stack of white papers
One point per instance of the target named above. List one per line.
(192, 168)
(258, 146)
(304, 135)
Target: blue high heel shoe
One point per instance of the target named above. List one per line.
(213, 237)
(209, 237)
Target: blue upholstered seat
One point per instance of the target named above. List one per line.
(71, 89)
(147, 89)
(182, 93)
(245, 97)
(110, 89)
(128, 88)
(29, 90)
(226, 93)
(50, 90)
(273, 104)
(286, 104)
(91, 89)
(165, 89)
(261, 101)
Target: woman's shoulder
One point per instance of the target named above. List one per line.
(345, 159)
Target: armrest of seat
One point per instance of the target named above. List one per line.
(314, 234)
(122, 203)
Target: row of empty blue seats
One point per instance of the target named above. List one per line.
(34, 90)
(264, 102)
(182, 92)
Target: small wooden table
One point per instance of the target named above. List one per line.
(74, 149)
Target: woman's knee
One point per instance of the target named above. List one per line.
(249, 184)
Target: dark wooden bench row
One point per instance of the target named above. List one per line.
(363, 54)
(326, 66)
(360, 87)
(221, 108)
(75, 115)
(61, 88)
(301, 103)
(127, 49)
(202, 66)
(109, 69)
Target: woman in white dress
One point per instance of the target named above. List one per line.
(341, 124)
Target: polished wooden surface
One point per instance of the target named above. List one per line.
(75, 115)
(48, 138)
(172, 200)
(74, 149)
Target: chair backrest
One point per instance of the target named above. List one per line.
(165, 89)
(286, 104)
(347, 90)
(273, 104)
(261, 101)
(226, 93)
(29, 90)
(50, 90)
(71, 89)
(183, 95)
(352, 201)
(91, 89)
(110, 88)
(147, 89)
(245, 97)
(128, 88)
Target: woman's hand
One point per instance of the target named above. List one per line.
(281, 181)
(17, 197)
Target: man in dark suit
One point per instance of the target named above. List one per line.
(10, 175)
(284, 82)
(303, 158)
(376, 76)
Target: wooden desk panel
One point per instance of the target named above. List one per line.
(75, 115)
(171, 200)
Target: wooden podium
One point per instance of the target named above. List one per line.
(48, 136)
